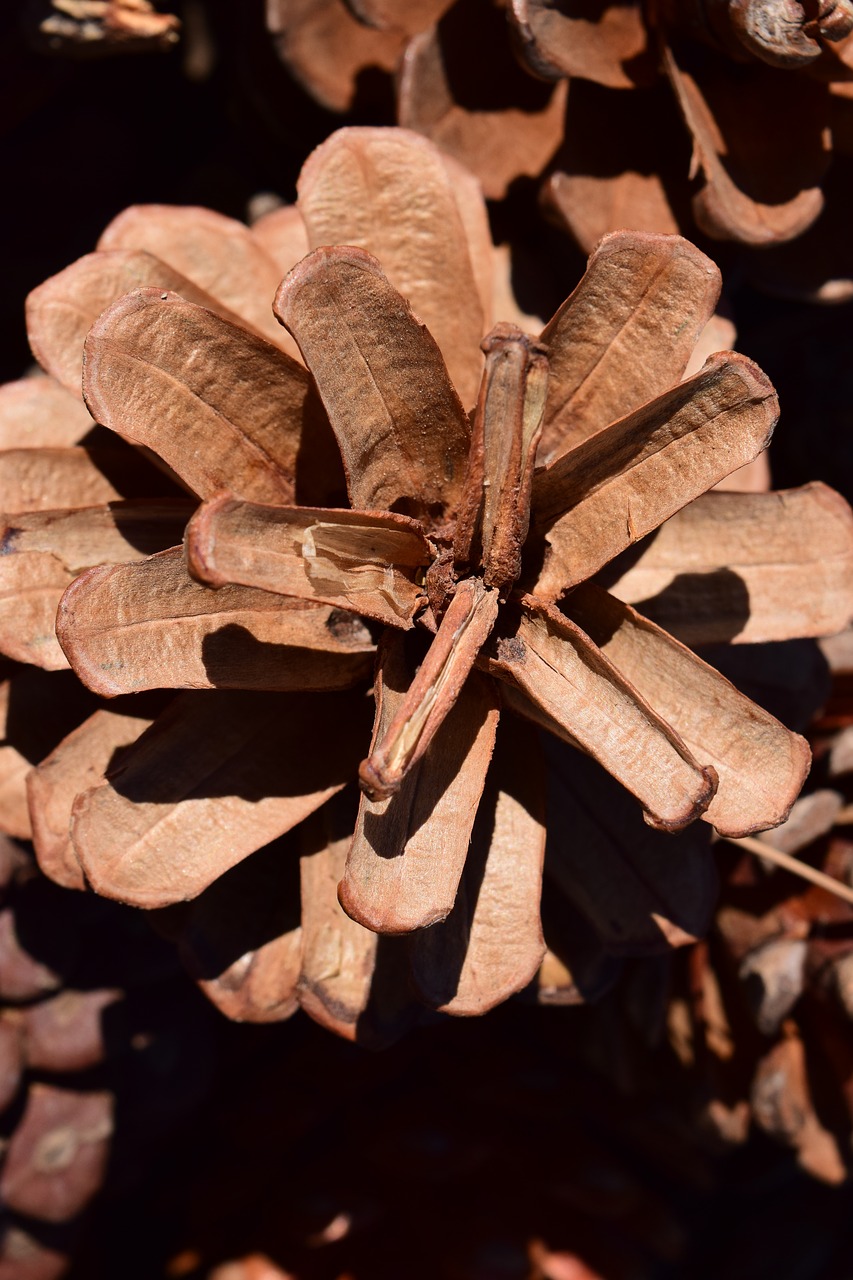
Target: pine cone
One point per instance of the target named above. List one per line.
(770, 994)
(87, 28)
(437, 545)
(93, 1029)
(756, 82)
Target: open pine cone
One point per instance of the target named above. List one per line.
(478, 567)
(753, 81)
(756, 82)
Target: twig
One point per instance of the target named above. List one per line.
(762, 850)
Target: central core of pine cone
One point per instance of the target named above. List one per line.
(479, 564)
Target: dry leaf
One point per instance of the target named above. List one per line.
(811, 816)
(773, 979)
(87, 28)
(782, 1106)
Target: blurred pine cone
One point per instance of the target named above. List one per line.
(588, 99)
(95, 1035)
(94, 28)
(759, 1014)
